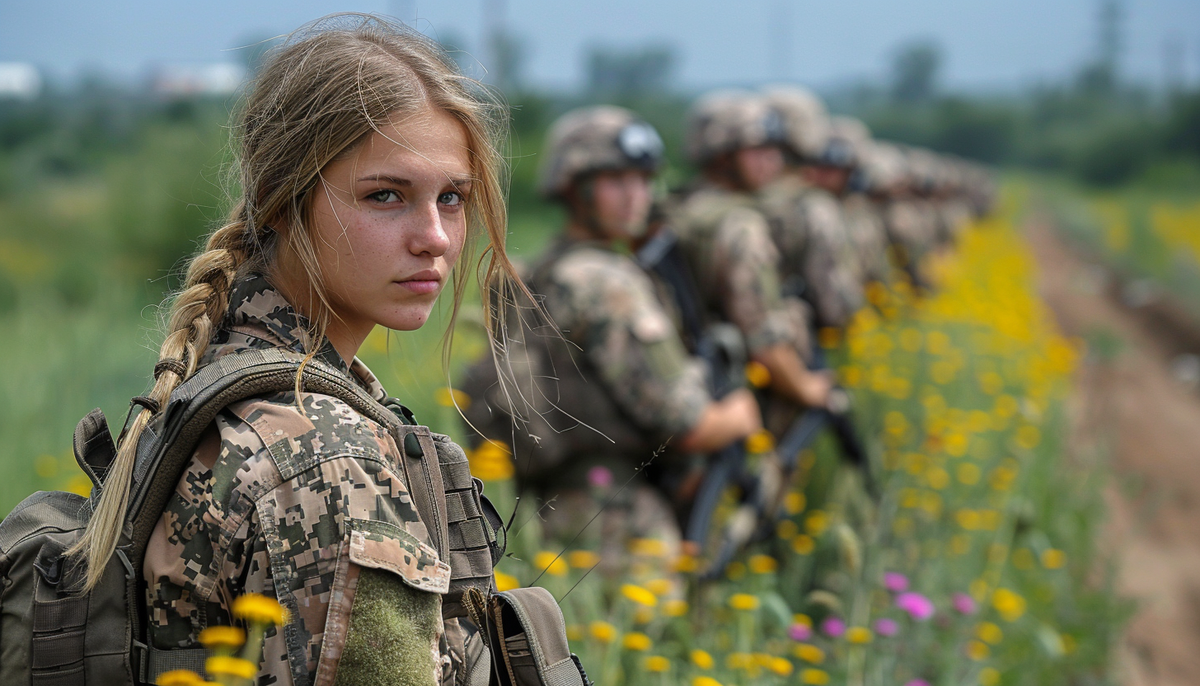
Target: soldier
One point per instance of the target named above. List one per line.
(366, 166)
(818, 257)
(864, 226)
(886, 181)
(735, 139)
(623, 383)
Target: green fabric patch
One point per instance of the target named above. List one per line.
(391, 633)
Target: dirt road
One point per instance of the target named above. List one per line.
(1131, 406)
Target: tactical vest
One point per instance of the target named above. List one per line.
(52, 635)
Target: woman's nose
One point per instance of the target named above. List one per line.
(428, 234)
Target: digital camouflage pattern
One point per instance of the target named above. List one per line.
(817, 255)
(728, 246)
(293, 505)
(868, 236)
(724, 121)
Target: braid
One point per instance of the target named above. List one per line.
(195, 312)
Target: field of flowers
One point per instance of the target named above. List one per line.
(977, 565)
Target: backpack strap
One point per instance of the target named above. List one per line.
(528, 640)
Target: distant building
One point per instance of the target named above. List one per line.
(19, 80)
(197, 79)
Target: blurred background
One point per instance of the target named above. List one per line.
(114, 142)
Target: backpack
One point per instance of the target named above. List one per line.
(52, 635)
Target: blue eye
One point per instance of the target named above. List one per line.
(384, 196)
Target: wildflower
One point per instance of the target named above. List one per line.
(582, 559)
(218, 637)
(1052, 558)
(451, 397)
(636, 640)
(977, 650)
(701, 659)
(989, 676)
(255, 608)
(1010, 605)
(886, 626)
(938, 478)
(506, 582)
(916, 605)
(809, 653)
(963, 603)
(551, 563)
(833, 627)
(705, 681)
(989, 633)
(686, 563)
(1028, 437)
(757, 375)
(743, 601)
(803, 544)
(648, 547)
(859, 635)
(895, 582)
(917, 682)
(801, 618)
(639, 595)
(180, 677)
(781, 666)
(794, 502)
(643, 615)
(816, 677)
(675, 608)
(224, 665)
(657, 663)
(491, 461)
(599, 477)
(602, 631)
(787, 529)
(800, 632)
(816, 522)
(763, 564)
(760, 442)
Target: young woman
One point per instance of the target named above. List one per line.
(367, 170)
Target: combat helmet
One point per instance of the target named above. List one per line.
(725, 121)
(595, 139)
(805, 120)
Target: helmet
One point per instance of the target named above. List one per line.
(805, 120)
(848, 138)
(883, 167)
(725, 121)
(594, 139)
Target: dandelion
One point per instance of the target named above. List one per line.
(686, 564)
(833, 627)
(222, 638)
(977, 650)
(916, 605)
(859, 635)
(491, 461)
(180, 677)
(224, 665)
(701, 659)
(259, 609)
(657, 664)
(506, 582)
(809, 653)
(895, 582)
(1010, 605)
(963, 603)
(763, 564)
(757, 375)
(803, 544)
(582, 559)
(816, 522)
(743, 601)
(781, 666)
(1028, 437)
(885, 626)
(675, 608)
(989, 633)
(989, 676)
(1052, 558)
(602, 631)
(637, 641)
(639, 595)
(551, 563)
(705, 681)
(816, 677)
(759, 442)
(451, 397)
(794, 502)
(648, 547)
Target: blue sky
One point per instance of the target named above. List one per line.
(987, 43)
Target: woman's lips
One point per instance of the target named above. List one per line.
(422, 283)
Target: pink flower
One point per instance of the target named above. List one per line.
(833, 627)
(800, 632)
(599, 477)
(916, 605)
(895, 582)
(964, 603)
(886, 627)
(917, 682)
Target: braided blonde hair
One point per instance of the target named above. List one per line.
(317, 98)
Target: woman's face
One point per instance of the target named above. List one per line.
(389, 221)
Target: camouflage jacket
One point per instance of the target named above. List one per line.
(728, 246)
(305, 507)
(868, 236)
(809, 229)
(606, 305)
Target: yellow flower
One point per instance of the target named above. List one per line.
(639, 595)
(180, 677)
(649, 547)
(803, 544)
(816, 677)
(253, 608)
(491, 461)
(956, 444)
(657, 663)
(582, 559)
(701, 659)
(977, 650)
(1010, 605)
(659, 587)
(816, 522)
(859, 635)
(786, 529)
(1028, 437)
(1053, 558)
(809, 653)
(938, 478)
(222, 637)
(794, 502)
(675, 608)
(760, 442)
(686, 563)
(221, 665)
(804, 619)
(552, 563)
(452, 397)
(781, 666)
(574, 632)
(989, 676)
(705, 681)
(643, 615)
(506, 582)
(757, 375)
(743, 601)
(989, 633)
(829, 336)
(636, 640)
(602, 631)
(763, 564)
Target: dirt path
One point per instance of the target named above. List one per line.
(1132, 407)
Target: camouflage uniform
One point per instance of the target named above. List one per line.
(307, 506)
(864, 226)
